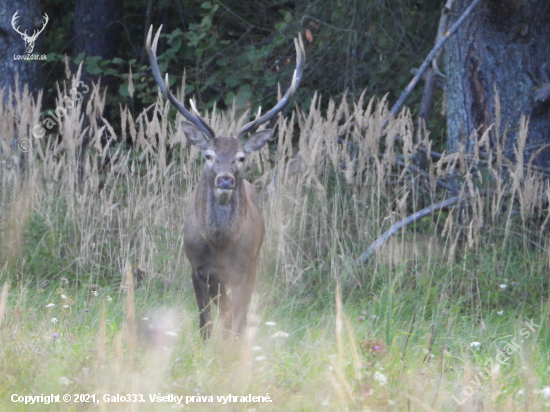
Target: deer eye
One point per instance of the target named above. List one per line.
(240, 159)
(208, 156)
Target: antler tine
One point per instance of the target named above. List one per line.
(298, 72)
(198, 115)
(163, 85)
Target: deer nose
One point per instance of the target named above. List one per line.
(225, 181)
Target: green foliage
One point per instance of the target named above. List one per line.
(45, 256)
(230, 52)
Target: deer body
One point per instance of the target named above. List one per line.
(223, 235)
(224, 229)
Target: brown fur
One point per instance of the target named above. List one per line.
(223, 241)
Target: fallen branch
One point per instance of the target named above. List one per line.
(365, 256)
(429, 59)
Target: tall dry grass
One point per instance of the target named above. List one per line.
(87, 212)
(320, 196)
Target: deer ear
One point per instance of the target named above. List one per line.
(195, 136)
(257, 140)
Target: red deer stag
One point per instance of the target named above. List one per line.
(224, 228)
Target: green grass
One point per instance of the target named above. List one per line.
(422, 329)
(394, 334)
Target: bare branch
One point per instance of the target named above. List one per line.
(365, 256)
(430, 57)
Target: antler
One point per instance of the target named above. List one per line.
(300, 60)
(163, 86)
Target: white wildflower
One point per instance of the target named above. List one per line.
(50, 305)
(256, 348)
(63, 296)
(260, 358)
(64, 381)
(381, 378)
(280, 334)
(95, 293)
(545, 392)
(503, 286)
(325, 402)
(65, 306)
(500, 312)
(170, 333)
(521, 391)
(109, 298)
(53, 320)
(271, 324)
(474, 344)
(144, 318)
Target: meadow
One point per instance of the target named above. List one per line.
(450, 314)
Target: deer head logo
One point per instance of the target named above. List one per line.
(29, 40)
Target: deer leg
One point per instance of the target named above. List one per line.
(218, 294)
(201, 286)
(241, 298)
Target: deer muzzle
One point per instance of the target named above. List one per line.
(225, 181)
(224, 185)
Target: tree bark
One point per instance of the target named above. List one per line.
(97, 33)
(96, 27)
(503, 50)
(11, 43)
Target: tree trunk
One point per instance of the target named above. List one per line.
(97, 30)
(96, 27)
(502, 50)
(11, 43)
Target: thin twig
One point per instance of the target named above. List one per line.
(433, 71)
(420, 172)
(429, 59)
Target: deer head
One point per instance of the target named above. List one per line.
(29, 40)
(224, 158)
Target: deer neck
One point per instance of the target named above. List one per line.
(220, 224)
